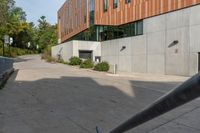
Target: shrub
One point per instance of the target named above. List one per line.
(87, 64)
(62, 61)
(103, 66)
(75, 61)
(50, 59)
(14, 51)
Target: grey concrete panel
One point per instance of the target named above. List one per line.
(178, 19)
(156, 63)
(155, 24)
(139, 63)
(115, 47)
(156, 42)
(177, 64)
(125, 42)
(182, 36)
(105, 48)
(194, 15)
(124, 63)
(193, 64)
(65, 50)
(138, 45)
(195, 38)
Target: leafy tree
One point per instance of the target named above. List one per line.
(13, 23)
(46, 34)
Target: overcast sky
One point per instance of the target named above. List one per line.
(37, 8)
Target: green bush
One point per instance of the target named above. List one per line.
(14, 51)
(103, 66)
(75, 61)
(62, 61)
(87, 64)
(50, 59)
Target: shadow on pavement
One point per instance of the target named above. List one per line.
(76, 105)
(18, 59)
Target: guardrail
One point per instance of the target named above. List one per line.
(6, 68)
(5, 64)
(183, 94)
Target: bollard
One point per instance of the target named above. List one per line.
(183, 94)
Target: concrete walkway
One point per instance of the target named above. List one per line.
(53, 98)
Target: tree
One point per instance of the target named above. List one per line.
(46, 34)
(13, 23)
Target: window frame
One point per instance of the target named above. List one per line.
(127, 1)
(115, 4)
(105, 5)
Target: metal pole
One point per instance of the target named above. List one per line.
(183, 94)
(9, 51)
(3, 49)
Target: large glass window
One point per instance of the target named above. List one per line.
(105, 6)
(103, 33)
(115, 4)
(91, 12)
(139, 30)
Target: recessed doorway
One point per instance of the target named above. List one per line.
(85, 54)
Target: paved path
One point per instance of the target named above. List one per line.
(53, 98)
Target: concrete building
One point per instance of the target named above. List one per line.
(142, 36)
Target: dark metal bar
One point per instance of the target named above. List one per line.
(3, 49)
(183, 94)
(97, 130)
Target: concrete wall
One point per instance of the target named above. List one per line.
(69, 49)
(87, 45)
(152, 53)
(65, 50)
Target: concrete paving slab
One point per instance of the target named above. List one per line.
(43, 97)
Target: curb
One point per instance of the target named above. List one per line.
(5, 76)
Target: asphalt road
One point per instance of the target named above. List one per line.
(42, 97)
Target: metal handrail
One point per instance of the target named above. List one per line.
(5, 64)
(183, 94)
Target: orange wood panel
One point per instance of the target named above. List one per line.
(71, 14)
(71, 20)
(137, 10)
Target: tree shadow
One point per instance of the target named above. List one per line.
(75, 105)
(19, 59)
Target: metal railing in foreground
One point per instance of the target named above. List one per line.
(183, 94)
(5, 64)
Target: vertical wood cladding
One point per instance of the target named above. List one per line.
(72, 18)
(136, 10)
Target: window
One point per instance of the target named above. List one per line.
(85, 11)
(91, 11)
(139, 29)
(103, 33)
(127, 1)
(105, 8)
(115, 4)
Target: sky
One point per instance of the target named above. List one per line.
(37, 8)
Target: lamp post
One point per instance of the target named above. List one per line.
(10, 43)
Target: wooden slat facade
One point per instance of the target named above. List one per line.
(71, 15)
(71, 18)
(136, 10)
